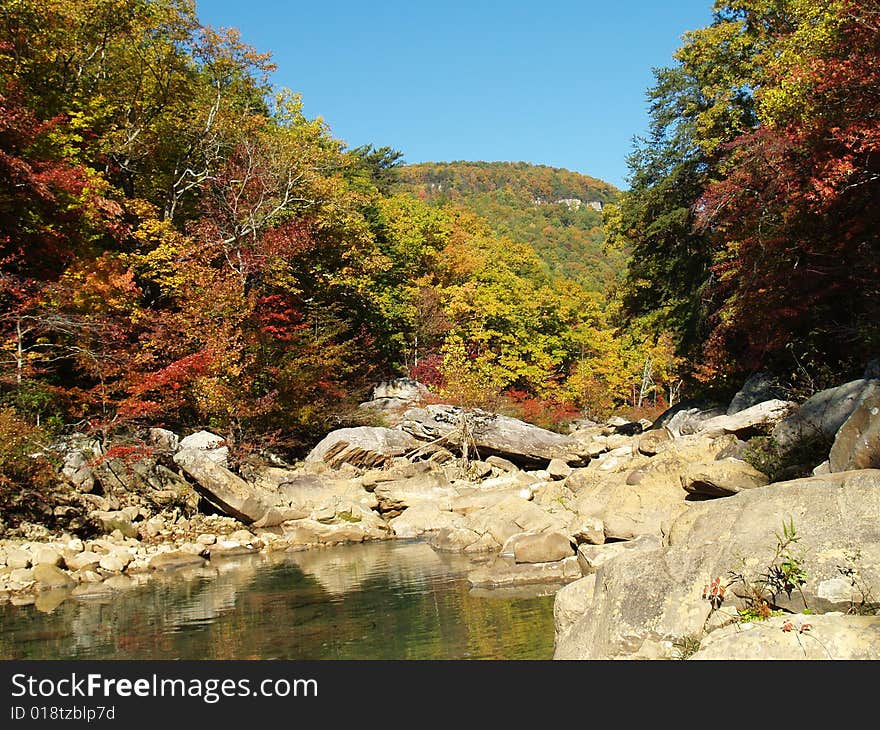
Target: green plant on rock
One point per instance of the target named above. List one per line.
(686, 646)
(784, 574)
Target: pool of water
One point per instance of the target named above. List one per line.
(383, 600)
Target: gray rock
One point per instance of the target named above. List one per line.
(820, 417)
(493, 434)
(405, 389)
(510, 516)
(592, 557)
(430, 487)
(759, 418)
(684, 419)
(231, 493)
(758, 388)
(547, 547)
(797, 636)
(364, 446)
(857, 443)
(461, 540)
(210, 443)
(722, 478)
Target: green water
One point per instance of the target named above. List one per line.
(386, 600)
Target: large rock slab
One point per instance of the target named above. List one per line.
(493, 435)
(644, 603)
(750, 421)
(544, 547)
(722, 478)
(505, 573)
(364, 446)
(231, 493)
(820, 417)
(857, 443)
(798, 636)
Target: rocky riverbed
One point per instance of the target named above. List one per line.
(665, 534)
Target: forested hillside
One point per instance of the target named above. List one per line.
(557, 212)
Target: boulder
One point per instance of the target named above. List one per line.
(654, 441)
(819, 418)
(404, 389)
(571, 602)
(545, 547)
(721, 478)
(558, 469)
(17, 558)
(592, 557)
(757, 419)
(46, 555)
(857, 443)
(589, 530)
(49, 576)
(644, 603)
(492, 434)
(758, 388)
(684, 418)
(462, 540)
(211, 444)
(230, 493)
(645, 493)
(86, 560)
(363, 446)
(424, 518)
(510, 516)
(797, 636)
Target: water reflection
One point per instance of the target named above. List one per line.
(387, 600)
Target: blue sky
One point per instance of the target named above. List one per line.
(557, 83)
